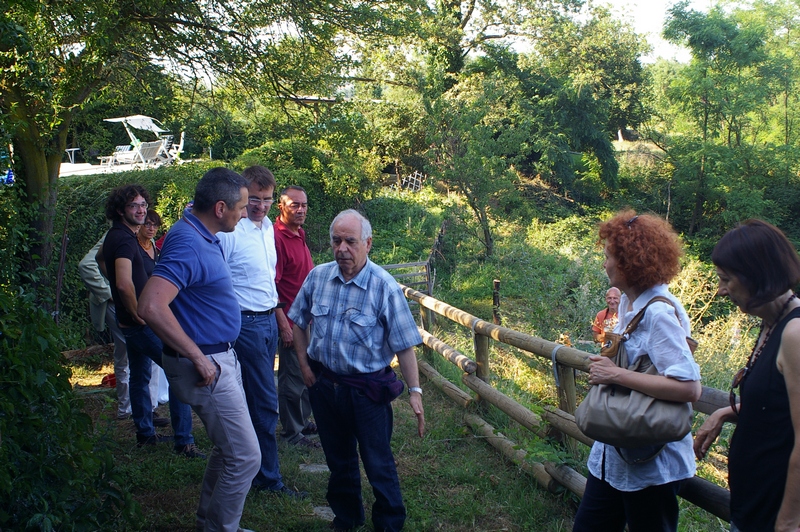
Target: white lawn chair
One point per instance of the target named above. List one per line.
(110, 160)
(175, 151)
(124, 154)
(147, 153)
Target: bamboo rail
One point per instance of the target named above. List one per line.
(699, 492)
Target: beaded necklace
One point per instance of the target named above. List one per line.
(758, 348)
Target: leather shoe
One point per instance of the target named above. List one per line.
(308, 443)
(285, 491)
(160, 421)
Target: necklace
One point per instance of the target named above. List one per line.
(758, 348)
(148, 247)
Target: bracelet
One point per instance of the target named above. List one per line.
(414, 389)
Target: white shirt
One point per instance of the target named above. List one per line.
(661, 336)
(250, 253)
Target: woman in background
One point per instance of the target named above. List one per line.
(147, 243)
(642, 255)
(758, 269)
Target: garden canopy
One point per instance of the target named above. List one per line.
(138, 122)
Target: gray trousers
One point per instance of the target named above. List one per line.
(236, 456)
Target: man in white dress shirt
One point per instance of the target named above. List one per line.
(250, 253)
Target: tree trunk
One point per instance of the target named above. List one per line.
(41, 163)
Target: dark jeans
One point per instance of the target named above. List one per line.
(605, 509)
(293, 406)
(143, 346)
(346, 417)
(255, 347)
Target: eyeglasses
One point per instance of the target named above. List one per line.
(134, 206)
(151, 225)
(256, 202)
(630, 222)
(735, 383)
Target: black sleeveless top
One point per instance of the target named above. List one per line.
(149, 263)
(758, 458)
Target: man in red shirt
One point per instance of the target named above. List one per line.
(294, 263)
(606, 319)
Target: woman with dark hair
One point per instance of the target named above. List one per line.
(642, 254)
(147, 243)
(758, 269)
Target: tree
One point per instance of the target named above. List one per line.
(472, 141)
(721, 94)
(601, 54)
(55, 55)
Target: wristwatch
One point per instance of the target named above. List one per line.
(414, 389)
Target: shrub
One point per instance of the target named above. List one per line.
(53, 475)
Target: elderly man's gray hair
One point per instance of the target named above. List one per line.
(366, 228)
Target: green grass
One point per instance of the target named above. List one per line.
(451, 480)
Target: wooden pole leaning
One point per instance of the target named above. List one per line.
(455, 393)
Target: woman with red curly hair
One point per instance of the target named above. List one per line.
(642, 254)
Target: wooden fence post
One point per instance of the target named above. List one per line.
(496, 302)
(426, 315)
(481, 356)
(482, 360)
(567, 397)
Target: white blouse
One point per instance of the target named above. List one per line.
(660, 335)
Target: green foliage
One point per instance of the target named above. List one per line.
(404, 224)
(725, 123)
(335, 172)
(53, 476)
(580, 52)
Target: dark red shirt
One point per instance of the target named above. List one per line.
(294, 263)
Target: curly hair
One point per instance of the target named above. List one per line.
(121, 196)
(761, 257)
(647, 248)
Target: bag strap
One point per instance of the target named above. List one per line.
(639, 315)
(622, 359)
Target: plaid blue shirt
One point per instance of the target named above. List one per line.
(358, 325)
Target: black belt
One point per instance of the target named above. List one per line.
(258, 312)
(208, 349)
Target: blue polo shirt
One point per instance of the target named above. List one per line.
(192, 260)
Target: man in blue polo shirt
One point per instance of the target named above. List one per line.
(190, 304)
(360, 322)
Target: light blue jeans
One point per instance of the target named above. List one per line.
(236, 457)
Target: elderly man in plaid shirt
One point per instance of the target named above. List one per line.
(350, 320)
